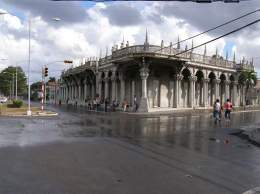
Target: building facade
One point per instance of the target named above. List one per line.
(159, 77)
(53, 91)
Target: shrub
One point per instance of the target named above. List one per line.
(17, 103)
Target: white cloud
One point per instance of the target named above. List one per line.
(54, 42)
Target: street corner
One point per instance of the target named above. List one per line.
(255, 190)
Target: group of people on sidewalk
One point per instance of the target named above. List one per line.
(218, 108)
(99, 104)
(126, 106)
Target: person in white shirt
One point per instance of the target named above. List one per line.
(217, 111)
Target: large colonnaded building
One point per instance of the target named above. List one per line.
(160, 79)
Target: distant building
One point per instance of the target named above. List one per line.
(256, 93)
(53, 89)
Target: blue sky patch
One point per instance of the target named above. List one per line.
(228, 48)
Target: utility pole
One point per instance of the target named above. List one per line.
(13, 87)
(16, 83)
(29, 112)
(45, 92)
(45, 74)
(42, 90)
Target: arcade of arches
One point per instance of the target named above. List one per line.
(156, 87)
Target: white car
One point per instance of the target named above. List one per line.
(3, 99)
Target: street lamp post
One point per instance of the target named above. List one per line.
(29, 112)
(13, 87)
(16, 83)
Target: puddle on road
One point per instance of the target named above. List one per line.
(252, 136)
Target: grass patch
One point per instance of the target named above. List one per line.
(5, 110)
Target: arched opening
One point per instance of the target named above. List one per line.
(222, 88)
(102, 95)
(109, 96)
(232, 88)
(118, 89)
(184, 91)
(211, 93)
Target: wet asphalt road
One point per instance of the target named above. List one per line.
(81, 152)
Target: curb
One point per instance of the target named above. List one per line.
(33, 115)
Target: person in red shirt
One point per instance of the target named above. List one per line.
(228, 107)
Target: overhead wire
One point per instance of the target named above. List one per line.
(214, 39)
(214, 28)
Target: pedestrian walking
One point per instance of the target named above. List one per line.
(125, 105)
(95, 106)
(217, 111)
(135, 104)
(228, 107)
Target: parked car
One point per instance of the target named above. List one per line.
(3, 99)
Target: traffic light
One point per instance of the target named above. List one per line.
(46, 71)
(68, 61)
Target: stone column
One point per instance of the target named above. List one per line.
(92, 89)
(85, 90)
(217, 82)
(133, 91)
(66, 93)
(98, 78)
(122, 86)
(227, 84)
(72, 92)
(100, 88)
(113, 80)
(234, 93)
(69, 92)
(206, 92)
(79, 93)
(144, 73)
(75, 92)
(62, 93)
(106, 79)
(192, 80)
(177, 85)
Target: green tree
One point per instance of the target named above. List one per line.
(248, 78)
(35, 89)
(52, 79)
(6, 80)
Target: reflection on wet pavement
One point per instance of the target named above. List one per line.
(190, 145)
(192, 132)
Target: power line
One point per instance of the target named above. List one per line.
(212, 40)
(214, 28)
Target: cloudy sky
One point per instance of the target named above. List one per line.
(86, 28)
